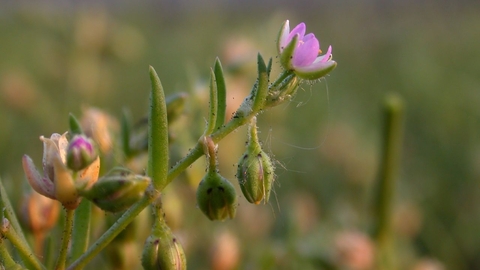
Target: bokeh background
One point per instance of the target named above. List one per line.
(59, 57)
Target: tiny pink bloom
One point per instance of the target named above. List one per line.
(304, 60)
(57, 181)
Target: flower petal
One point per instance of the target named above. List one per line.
(300, 30)
(41, 185)
(325, 57)
(306, 52)
(65, 190)
(89, 175)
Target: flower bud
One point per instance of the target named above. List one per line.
(255, 171)
(117, 190)
(255, 175)
(216, 197)
(81, 152)
(282, 89)
(163, 251)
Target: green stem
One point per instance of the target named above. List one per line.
(9, 213)
(252, 130)
(6, 259)
(113, 231)
(281, 78)
(210, 153)
(67, 234)
(385, 191)
(26, 253)
(81, 229)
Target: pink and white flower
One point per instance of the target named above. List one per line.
(300, 53)
(57, 181)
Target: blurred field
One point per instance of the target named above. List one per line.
(57, 59)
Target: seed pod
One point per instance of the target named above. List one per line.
(162, 251)
(216, 197)
(255, 176)
(255, 172)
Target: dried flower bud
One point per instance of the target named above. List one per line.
(216, 197)
(117, 190)
(81, 152)
(98, 125)
(255, 171)
(39, 212)
(163, 251)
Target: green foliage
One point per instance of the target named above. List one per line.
(326, 167)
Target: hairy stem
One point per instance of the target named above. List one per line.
(67, 234)
(6, 259)
(113, 231)
(30, 260)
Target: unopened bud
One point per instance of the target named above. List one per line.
(255, 171)
(81, 152)
(216, 197)
(283, 89)
(117, 190)
(163, 251)
(255, 176)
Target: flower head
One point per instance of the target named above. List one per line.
(57, 182)
(300, 53)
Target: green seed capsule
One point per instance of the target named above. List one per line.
(255, 172)
(162, 251)
(255, 176)
(216, 197)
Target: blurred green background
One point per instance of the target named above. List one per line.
(59, 57)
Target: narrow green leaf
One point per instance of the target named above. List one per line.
(81, 230)
(157, 134)
(221, 94)
(269, 67)
(262, 86)
(74, 124)
(212, 116)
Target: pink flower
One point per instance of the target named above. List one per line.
(300, 53)
(57, 181)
